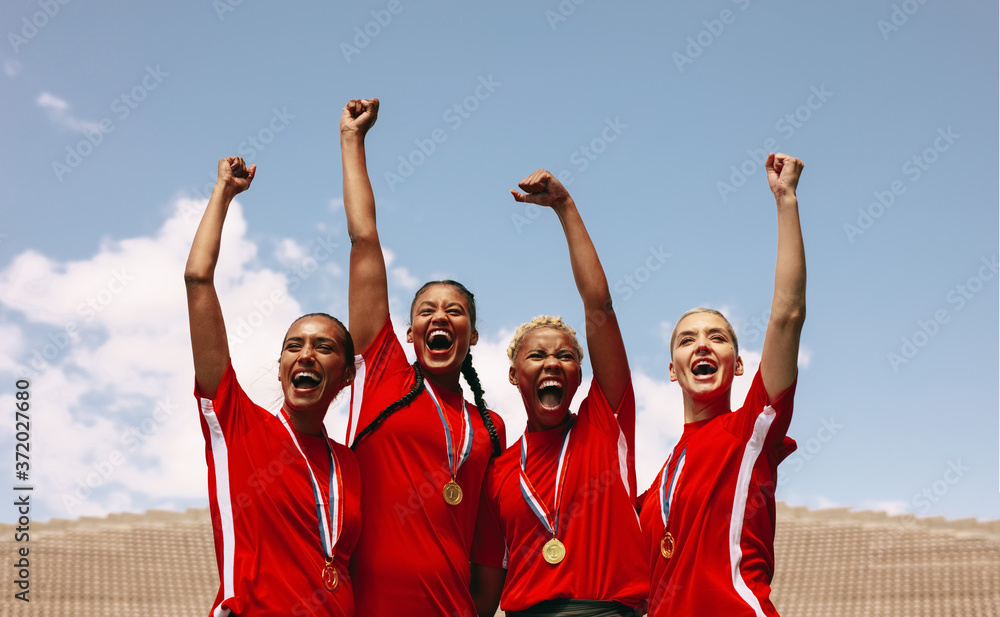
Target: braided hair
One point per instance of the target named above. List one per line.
(403, 401)
(471, 376)
(468, 371)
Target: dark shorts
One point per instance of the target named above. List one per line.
(565, 607)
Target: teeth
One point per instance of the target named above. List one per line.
(550, 383)
(299, 377)
(703, 367)
(443, 333)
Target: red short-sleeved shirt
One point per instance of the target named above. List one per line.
(264, 518)
(413, 553)
(605, 558)
(721, 514)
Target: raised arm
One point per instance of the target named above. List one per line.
(208, 328)
(779, 358)
(368, 294)
(604, 338)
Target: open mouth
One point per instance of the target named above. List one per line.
(704, 367)
(550, 394)
(439, 340)
(305, 380)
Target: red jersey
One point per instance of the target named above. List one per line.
(605, 558)
(413, 553)
(264, 515)
(718, 485)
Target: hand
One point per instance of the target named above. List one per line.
(234, 174)
(543, 189)
(783, 173)
(359, 116)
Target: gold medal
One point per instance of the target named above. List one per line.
(452, 493)
(667, 545)
(330, 577)
(554, 551)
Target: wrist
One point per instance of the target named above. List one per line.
(225, 190)
(351, 136)
(786, 197)
(564, 205)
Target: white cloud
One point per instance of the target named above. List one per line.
(11, 67)
(822, 502)
(289, 253)
(805, 356)
(666, 328)
(59, 113)
(892, 507)
(401, 277)
(12, 345)
(106, 345)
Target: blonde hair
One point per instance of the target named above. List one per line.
(729, 326)
(542, 321)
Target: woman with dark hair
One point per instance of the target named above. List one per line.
(422, 448)
(284, 497)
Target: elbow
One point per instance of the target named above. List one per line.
(194, 278)
(792, 317)
(364, 239)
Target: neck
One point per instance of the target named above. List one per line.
(534, 426)
(305, 423)
(695, 411)
(447, 381)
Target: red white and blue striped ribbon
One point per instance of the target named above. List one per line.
(550, 522)
(669, 485)
(329, 525)
(465, 447)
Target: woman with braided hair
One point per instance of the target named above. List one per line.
(422, 448)
(558, 533)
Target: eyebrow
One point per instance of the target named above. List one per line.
(715, 330)
(318, 339)
(424, 303)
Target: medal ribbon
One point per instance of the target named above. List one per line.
(465, 447)
(528, 491)
(669, 485)
(329, 533)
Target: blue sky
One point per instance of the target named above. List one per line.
(655, 115)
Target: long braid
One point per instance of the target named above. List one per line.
(406, 399)
(472, 377)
